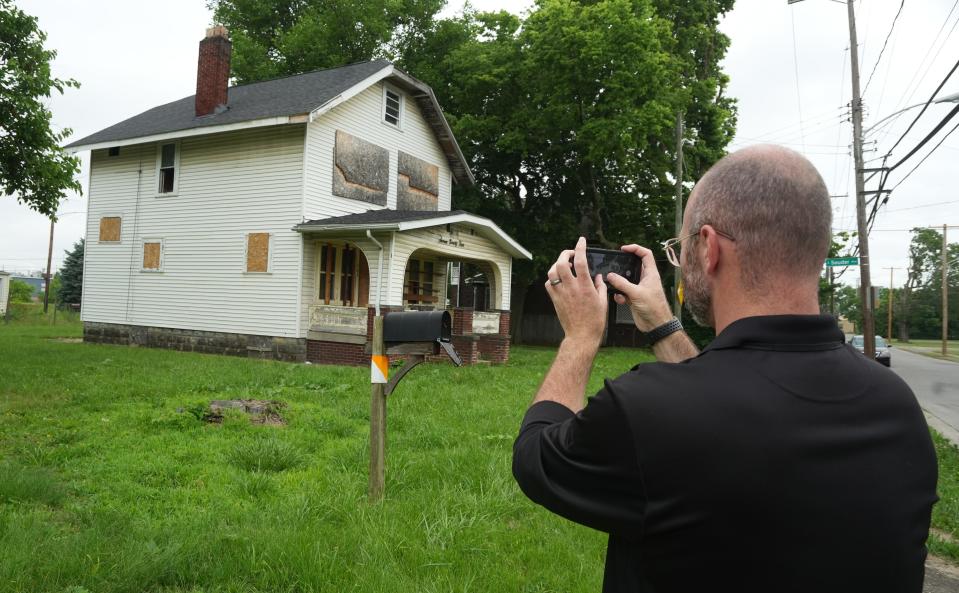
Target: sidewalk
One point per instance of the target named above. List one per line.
(940, 577)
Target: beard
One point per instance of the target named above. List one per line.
(699, 298)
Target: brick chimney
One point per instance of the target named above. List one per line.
(213, 72)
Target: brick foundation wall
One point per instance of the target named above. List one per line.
(321, 352)
(190, 340)
(493, 348)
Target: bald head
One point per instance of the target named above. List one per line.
(775, 204)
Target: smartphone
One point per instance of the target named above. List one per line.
(604, 261)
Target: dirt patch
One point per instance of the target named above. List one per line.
(261, 411)
(65, 340)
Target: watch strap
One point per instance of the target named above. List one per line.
(670, 327)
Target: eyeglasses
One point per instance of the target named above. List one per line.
(669, 246)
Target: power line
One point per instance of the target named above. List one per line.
(885, 43)
(792, 21)
(910, 88)
(926, 106)
(926, 157)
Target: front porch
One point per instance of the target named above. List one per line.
(437, 260)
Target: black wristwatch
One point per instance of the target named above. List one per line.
(670, 327)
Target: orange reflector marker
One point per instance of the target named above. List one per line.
(379, 368)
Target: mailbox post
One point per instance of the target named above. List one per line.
(415, 334)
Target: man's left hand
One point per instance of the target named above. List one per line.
(580, 301)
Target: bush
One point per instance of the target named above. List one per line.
(20, 292)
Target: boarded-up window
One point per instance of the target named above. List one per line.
(152, 253)
(110, 228)
(258, 252)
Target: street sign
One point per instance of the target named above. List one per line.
(832, 262)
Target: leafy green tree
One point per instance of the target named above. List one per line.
(919, 302)
(33, 166)
(849, 304)
(280, 37)
(71, 276)
(20, 292)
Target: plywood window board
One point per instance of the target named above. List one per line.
(258, 252)
(110, 229)
(152, 255)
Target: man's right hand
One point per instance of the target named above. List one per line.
(647, 301)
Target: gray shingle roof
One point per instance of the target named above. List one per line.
(384, 216)
(292, 95)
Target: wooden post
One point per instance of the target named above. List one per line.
(377, 422)
(677, 272)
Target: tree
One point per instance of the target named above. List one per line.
(71, 276)
(20, 292)
(33, 166)
(274, 38)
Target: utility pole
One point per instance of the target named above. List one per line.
(677, 272)
(46, 294)
(945, 292)
(868, 307)
(889, 305)
(832, 292)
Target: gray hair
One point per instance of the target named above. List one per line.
(775, 204)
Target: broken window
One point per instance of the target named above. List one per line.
(167, 166)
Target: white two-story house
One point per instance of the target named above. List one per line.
(271, 219)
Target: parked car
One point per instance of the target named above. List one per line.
(883, 355)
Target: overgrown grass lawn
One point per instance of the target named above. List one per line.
(109, 481)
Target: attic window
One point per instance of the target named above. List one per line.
(167, 164)
(392, 107)
(113, 151)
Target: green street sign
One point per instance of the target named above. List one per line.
(832, 262)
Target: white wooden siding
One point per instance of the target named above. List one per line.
(362, 116)
(229, 185)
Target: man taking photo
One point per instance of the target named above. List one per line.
(778, 458)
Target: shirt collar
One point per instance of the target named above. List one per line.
(780, 332)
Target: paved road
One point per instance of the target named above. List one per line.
(936, 385)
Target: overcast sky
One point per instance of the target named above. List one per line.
(789, 69)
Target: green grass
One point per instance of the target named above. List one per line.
(110, 482)
(945, 515)
(931, 348)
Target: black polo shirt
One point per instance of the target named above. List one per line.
(779, 459)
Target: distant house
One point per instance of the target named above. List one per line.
(4, 291)
(269, 219)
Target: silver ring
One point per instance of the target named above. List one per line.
(555, 281)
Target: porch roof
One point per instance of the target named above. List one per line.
(408, 220)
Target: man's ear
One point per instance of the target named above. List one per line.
(710, 240)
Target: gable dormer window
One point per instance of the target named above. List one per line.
(168, 161)
(392, 107)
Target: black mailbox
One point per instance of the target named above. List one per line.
(434, 327)
(417, 326)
